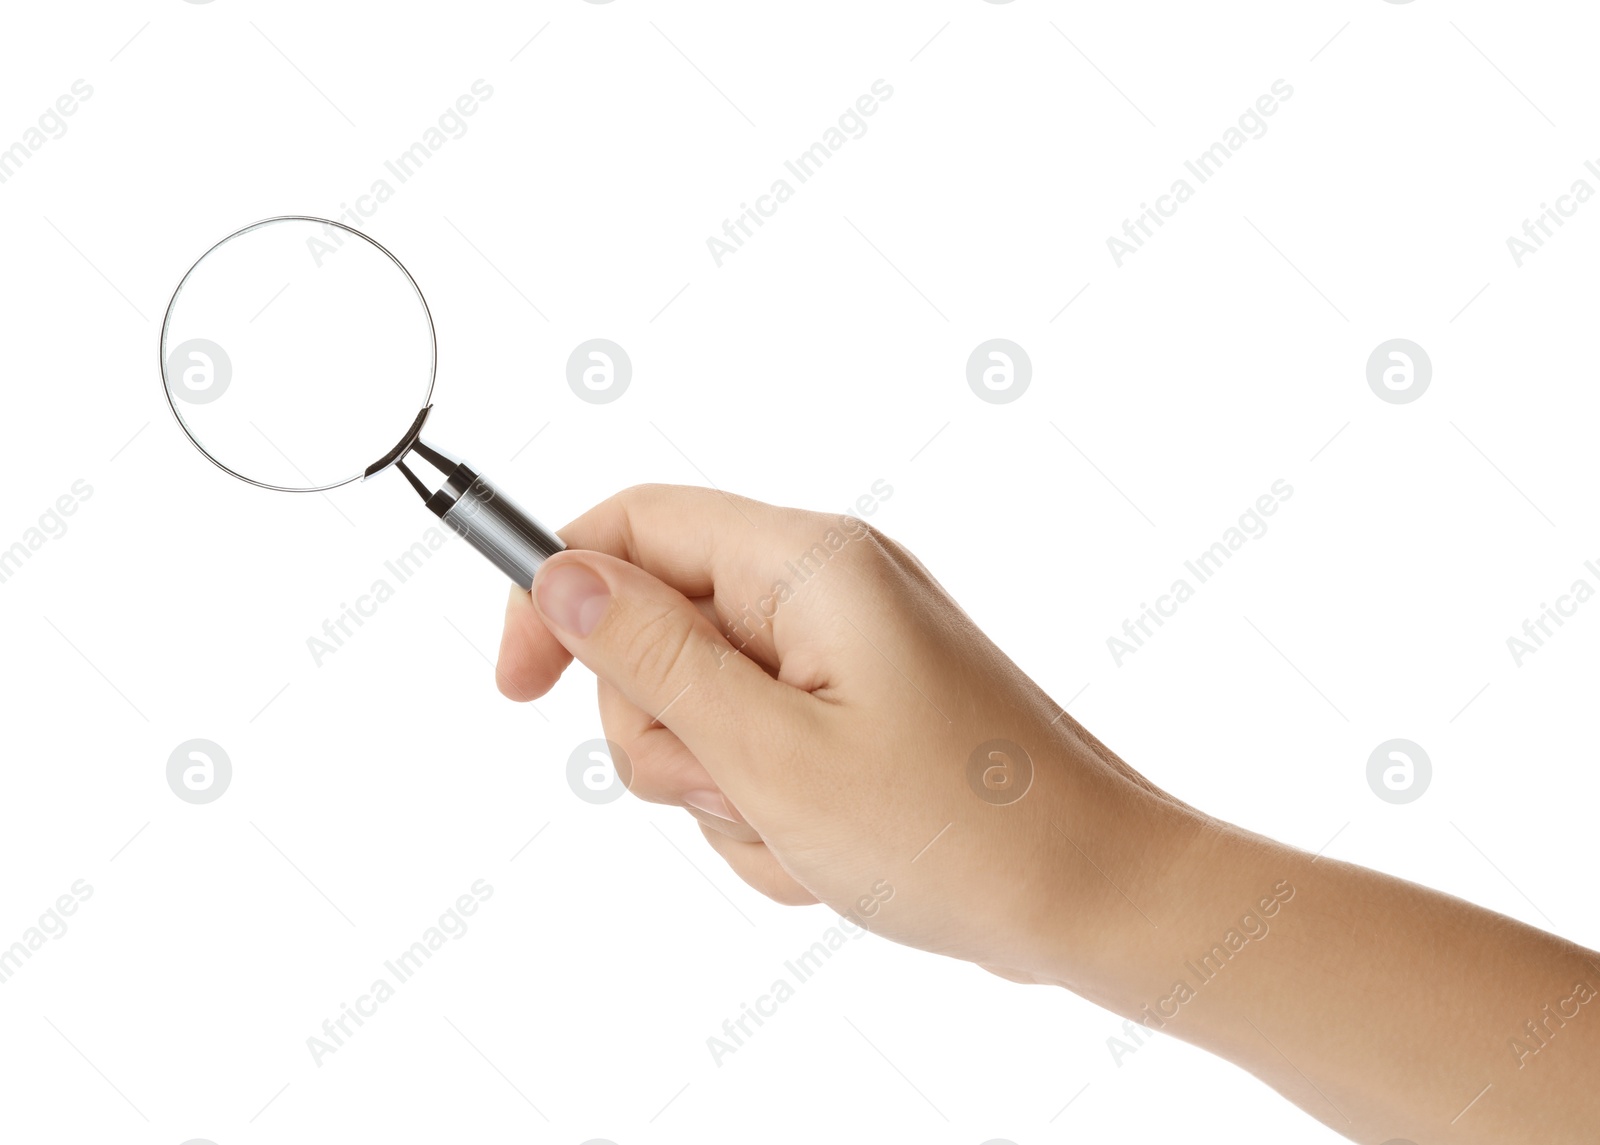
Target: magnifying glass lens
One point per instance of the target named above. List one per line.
(296, 353)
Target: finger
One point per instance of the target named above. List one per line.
(658, 650)
(663, 770)
(704, 543)
(691, 538)
(531, 659)
(756, 865)
(688, 537)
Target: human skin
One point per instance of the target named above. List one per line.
(824, 737)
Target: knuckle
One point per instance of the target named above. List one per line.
(641, 494)
(851, 543)
(658, 641)
(879, 553)
(879, 544)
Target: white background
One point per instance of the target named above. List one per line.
(829, 353)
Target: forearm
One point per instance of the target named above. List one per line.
(1384, 1009)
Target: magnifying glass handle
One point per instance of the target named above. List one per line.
(493, 524)
(490, 521)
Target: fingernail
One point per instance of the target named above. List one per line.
(712, 803)
(573, 598)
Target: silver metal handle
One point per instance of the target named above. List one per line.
(491, 523)
(471, 505)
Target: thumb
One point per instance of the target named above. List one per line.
(651, 643)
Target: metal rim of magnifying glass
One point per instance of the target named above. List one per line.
(433, 353)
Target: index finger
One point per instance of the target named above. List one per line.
(691, 538)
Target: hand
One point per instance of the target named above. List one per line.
(808, 691)
(805, 688)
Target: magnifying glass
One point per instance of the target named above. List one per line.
(299, 355)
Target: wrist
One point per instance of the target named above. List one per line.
(1125, 858)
